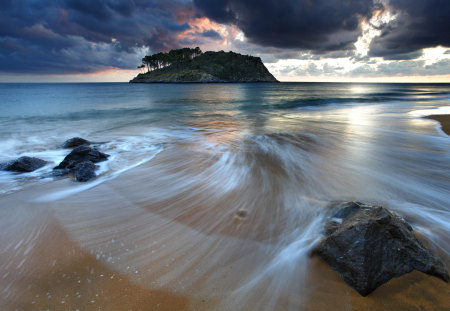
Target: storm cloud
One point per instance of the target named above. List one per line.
(318, 26)
(84, 36)
(66, 36)
(418, 24)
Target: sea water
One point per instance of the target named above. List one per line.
(211, 175)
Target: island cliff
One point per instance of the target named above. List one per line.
(191, 65)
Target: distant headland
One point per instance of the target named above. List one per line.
(188, 65)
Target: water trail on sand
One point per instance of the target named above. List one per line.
(218, 194)
(178, 225)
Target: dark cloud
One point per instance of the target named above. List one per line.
(218, 10)
(66, 36)
(211, 34)
(320, 25)
(419, 24)
(71, 36)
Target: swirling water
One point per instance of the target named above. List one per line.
(214, 194)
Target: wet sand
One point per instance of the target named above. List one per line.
(444, 120)
(150, 241)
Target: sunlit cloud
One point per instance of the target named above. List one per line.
(371, 30)
(200, 27)
(434, 55)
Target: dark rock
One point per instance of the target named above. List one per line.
(346, 209)
(84, 171)
(75, 142)
(368, 245)
(57, 173)
(81, 154)
(331, 226)
(23, 164)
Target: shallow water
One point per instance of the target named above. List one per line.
(214, 194)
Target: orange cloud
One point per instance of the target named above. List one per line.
(200, 25)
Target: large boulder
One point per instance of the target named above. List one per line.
(368, 245)
(75, 142)
(81, 154)
(84, 171)
(23, 164)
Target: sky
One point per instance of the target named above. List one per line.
(298, 40)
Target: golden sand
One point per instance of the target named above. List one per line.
(192, 253)
(444, 120)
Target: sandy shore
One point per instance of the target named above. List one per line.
(444, 119)
(123, 245)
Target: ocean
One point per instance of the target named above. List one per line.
(214, 194)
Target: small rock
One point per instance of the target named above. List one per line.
(369, 245)
(23, 164)
(75, 142)
(81, 154)
(84, 171)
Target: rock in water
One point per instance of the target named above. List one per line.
(23, 164)
(84, 171)
(81, 154)
(368, 245)
(75, 142)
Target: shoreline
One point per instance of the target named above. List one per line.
(443, 119)
(130, 250)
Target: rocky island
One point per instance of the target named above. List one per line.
(193, 66)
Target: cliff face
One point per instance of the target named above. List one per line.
(211, 67)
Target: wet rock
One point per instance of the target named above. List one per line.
(57, 173)
(23, 164)
(81, 154)
(368, 245)
(84, 171)
(75, 142)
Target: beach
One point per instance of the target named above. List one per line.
(214, 196)
(444, 120)
(112, 248)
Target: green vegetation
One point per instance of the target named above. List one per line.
(191, 65)
(162, 60)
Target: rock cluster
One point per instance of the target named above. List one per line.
(80, 161)
(369, 245)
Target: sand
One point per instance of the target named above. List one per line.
(124, 245)
(444, 120)
(61, 275)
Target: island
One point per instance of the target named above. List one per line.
(188, 65)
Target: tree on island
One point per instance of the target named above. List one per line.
(173, 57)
(141, 67)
